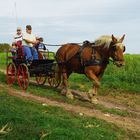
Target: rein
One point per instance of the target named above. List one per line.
(60, 44)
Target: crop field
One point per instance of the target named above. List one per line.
(41, 112)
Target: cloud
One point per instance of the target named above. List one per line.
(61, 21)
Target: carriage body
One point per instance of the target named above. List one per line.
(36, 66)
(20, 70)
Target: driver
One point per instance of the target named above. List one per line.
(28, 42)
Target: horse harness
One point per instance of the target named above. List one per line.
(93, 61)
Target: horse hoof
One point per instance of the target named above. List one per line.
(70, 96)
(94, 100)
(63, 92)
(89, 95)
(61, 87)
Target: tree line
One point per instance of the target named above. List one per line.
(4, 46)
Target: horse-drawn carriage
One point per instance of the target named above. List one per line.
(90, 58)
(43, 70)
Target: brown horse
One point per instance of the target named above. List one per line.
(90, 59)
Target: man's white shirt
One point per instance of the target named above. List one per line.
(30, 37)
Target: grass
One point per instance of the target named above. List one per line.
(114, 78)
(3, 60)
(52, 93)
(19, 113)
(29, 120)
(113, 111)
(127, 78)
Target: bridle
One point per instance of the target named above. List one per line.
(114, 48)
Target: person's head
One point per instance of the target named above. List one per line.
(19, 31)
(39, 39)
(13, 45)
(29, 29)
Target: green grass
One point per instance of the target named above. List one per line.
(28, 120)
(3, 60)
(51, 93)
(126, 78)
(51, 55)
(113, 111)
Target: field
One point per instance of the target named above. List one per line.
(117, 116)
(29, 120)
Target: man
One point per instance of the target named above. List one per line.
(18, 36)
(28, 42)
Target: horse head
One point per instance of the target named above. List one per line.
(117, 49)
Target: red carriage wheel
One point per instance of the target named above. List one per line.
(23, 76)
(53, 79)
(11, 73)
(40, 79)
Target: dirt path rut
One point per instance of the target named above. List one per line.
(131, 124)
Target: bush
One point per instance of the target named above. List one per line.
(4, 46)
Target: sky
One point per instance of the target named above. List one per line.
(63, 21)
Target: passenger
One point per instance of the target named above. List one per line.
(17, 40)
(13, 49)
(28, 41)
(41, 48)
(18, 36)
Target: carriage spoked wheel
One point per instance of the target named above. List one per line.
(23, 76)
(11, 73)
(40, 79)
(53, 79)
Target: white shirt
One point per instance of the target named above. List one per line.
(18, 37)
(30, 37)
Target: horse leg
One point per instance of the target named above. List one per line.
(94, 91)
(65, 89)
(60, 76)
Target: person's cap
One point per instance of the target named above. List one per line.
(41, 39)
(29, 27)
(18, 28)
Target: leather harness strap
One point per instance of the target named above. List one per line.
(93, 61)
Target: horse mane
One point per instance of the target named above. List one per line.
(104, 41)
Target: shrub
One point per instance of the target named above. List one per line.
(4, 46)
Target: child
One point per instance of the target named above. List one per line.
(41, 48)
(13, 49)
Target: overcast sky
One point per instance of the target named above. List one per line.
(61, 21)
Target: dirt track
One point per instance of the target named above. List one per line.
(131, 124)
